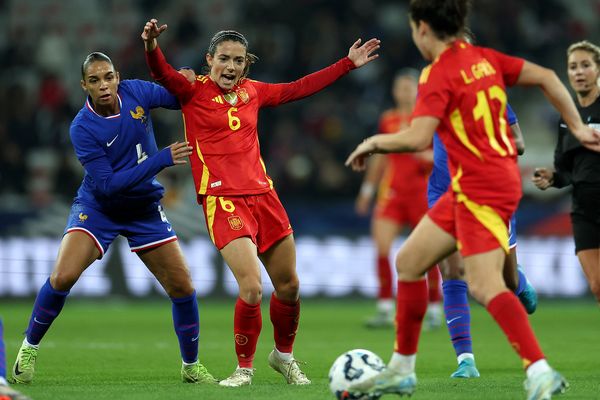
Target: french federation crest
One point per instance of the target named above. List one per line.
(139, 114)
(235, 222)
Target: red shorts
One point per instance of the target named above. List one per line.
(478, 228)
(260, 217)
(402, 209)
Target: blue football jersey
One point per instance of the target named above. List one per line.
(119, 152)
(440, 175)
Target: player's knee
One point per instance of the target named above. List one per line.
(288, 289)
(407, 268)
(251, 292)
(181, 290)
(62, 281)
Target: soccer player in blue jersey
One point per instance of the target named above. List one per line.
(456, 305)
(114, 141)
(6, 392)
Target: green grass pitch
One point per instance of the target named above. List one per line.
(123, 350)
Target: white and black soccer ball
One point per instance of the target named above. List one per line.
(353, 367)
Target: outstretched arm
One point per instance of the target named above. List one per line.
(280, 93)
(164, 73)
(111, 182)
(559, 97)
(415, 138)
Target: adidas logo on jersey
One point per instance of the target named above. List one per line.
(218, 99)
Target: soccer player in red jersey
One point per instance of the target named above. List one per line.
(401, 201)
(462, 95)
(244, 216)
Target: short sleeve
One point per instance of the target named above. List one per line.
(433, 93)
(509, 66)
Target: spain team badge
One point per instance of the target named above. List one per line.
(243, 95)
(235, 222)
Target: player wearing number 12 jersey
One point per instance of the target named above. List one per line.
(462, 96)
(243, 213)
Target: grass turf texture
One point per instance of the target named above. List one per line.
(120, 350)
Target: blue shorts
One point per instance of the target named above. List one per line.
(142, 232)
(434, 192)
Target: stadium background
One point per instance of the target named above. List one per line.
(42, 45)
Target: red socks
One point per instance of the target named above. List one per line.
(247, 323)
(433, 282)
(285, 317)
(410, 311)
(512, 318)
(384, 273)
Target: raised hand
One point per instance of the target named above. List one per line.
(180, 151)
(151, 32)
(361, 55)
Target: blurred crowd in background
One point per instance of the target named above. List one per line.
(304, 144)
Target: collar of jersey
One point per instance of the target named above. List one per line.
(89, 106)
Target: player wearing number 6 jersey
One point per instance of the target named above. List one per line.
(114, 141)
(244, 216)
(462, 95)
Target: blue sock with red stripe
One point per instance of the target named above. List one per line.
(48, 304)
(187, 326)
(2, 353)
(458, 315)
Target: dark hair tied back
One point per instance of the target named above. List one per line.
(93, 57)
(446, 17)
(234, 36)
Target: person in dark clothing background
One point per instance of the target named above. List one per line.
(575, 165)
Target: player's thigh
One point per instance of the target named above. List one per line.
(241, 256)
(167, 264)
(483, 274)
(78, 250)
(280, 262)
(511, 276)
(384, 231)
(426, 245)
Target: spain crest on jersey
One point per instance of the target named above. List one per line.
(235, 222)
(139, 114)
(243, 95)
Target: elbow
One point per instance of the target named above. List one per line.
(107, 189)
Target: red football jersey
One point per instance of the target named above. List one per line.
(405, 174)
(222, 126)
(465, 89)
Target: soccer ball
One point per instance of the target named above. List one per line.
(353, 367)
